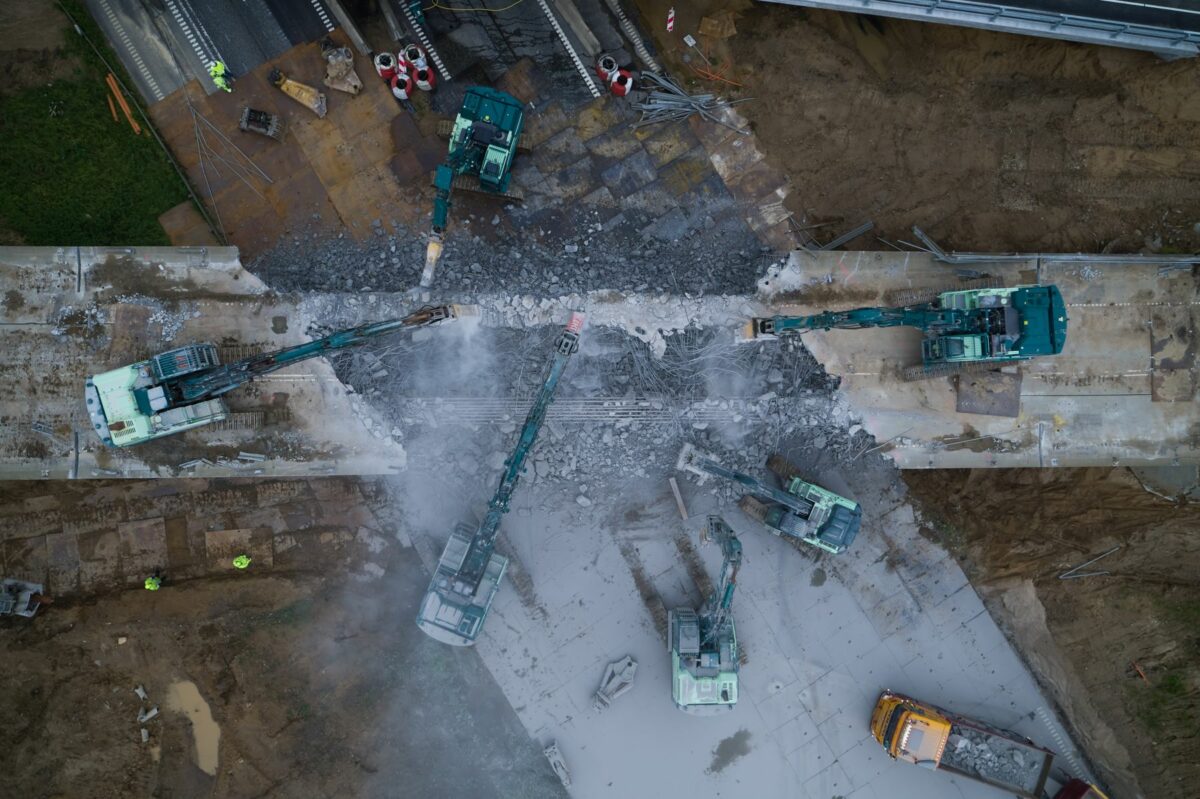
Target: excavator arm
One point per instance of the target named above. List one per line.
(468, 573)
(485, 537)
(223, 378)
(924, 317)
(694, 461)
(718, 606)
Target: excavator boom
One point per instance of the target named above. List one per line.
(969, 326)
(182, 389)
(221, 379)
(716, 613)
(469, 572)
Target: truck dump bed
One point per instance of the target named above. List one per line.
(982, 754)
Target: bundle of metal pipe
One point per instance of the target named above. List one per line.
(663, 100)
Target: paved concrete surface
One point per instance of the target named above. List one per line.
(1122, 391)
(822, 637)
(72, 312)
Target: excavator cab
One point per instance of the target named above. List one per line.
(954, 349)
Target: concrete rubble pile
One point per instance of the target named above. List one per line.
(990, 756)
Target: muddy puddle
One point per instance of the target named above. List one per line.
(183, 696)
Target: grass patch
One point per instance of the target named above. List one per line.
(71, 174)
(1166, 704)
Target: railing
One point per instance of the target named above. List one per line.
(1167, 42)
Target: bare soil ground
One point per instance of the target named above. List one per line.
(1132, 637)
(989, 142)
(315, 684)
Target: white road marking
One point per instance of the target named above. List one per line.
(202, 44)
(323, 15)
(133, 53)
(562, 37)
(425, 41)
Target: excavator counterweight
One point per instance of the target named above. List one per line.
(469, 572)
(181, 389)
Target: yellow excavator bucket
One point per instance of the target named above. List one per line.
(432, 253)
(302, 93)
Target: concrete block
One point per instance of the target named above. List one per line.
(629, 175)
(846, 729)
(558, 151)
(832, 781)
(863, 763)
(669, 141)
(810, 759)
(615, 144)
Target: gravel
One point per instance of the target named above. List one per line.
(535, 254)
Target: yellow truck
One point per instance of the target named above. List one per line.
(937, 739)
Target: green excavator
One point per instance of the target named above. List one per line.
(483, 143)
(703, 645)
(182, 389)
(973, 328)
(800, 511)
(468, 574)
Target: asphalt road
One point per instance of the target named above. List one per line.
(1177, 14)
(165, 43)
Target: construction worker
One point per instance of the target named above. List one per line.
(241, 562)
(154, 581)
(220, 75)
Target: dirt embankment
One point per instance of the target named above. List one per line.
(1122, 653)
(987, 141)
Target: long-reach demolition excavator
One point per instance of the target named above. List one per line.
(469, 572)
(703, 645)
(799, 510)
(990, 327)
(483, 144)
(181, 389)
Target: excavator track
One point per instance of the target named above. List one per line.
(904, 298)
(782, 468)
(912, 374)
(754, 508)
(471, 183)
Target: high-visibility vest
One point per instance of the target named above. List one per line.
(153, 583)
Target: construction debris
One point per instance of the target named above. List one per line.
(678, 497)
(665, 101)
(616, 682)
(557, 763)
(145, 715)
(141, 693)
(1074, 572)
(339, 69)
(19, 598)
(262, 122)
